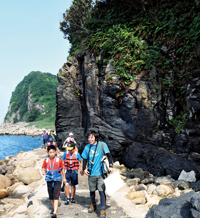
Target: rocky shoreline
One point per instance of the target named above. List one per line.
(23, 192)
(19, 128)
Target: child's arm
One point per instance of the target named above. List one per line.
(43, 171)
(81, 171)
(43, 167)
(63, 171)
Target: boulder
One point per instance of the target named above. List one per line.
(29, 175)
(133, 195)
(163, 190)
(21, 190)
(195, 201)
(182, 185)
(195, 186)
(3, 193)
(184, 206)
(189, 177)
(148, 180)
(141, 187)
(152, 199)
(13, 187)
(4, 182)
(131, 182)
(139, 201)
(164, 180)
(151, 188)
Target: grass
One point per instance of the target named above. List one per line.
(43, 124)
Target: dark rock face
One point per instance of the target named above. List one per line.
(133, 121)
(185, 206)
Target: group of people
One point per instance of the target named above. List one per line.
(65, 169)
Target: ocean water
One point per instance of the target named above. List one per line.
(12, 145)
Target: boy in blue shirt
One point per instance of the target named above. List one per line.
(71, 159)
(93, 152)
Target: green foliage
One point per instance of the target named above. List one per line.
(41, 87)
(132, 32)
(76, 92)
(63, 74)
(178, 122)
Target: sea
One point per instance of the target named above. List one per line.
(12, 144)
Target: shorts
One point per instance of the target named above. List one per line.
(71, 177)
(54, 192)
(44, 141)
(96, 183)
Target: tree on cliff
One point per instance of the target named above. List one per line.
(73, 18)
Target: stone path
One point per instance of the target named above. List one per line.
(38, 204)
(80, 208)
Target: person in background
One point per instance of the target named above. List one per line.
(52, 136)
(52, 143)
(93, 154)
(53, 140)
(52, 167)
(45, 138)
(68, 140)
(71, 159)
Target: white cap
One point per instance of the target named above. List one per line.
(70, 133)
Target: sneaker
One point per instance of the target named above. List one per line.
(92, 208)
(73, 201)
(54, 216)
(102, 214)
(52, 212)
(67, 201)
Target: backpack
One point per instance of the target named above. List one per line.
(104, 160)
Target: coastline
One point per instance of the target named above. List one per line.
(20, 128)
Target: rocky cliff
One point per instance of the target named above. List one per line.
(139, 122)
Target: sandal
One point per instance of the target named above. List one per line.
(67, 201)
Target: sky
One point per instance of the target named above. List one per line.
(30, 40)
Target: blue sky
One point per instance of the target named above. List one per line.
(30, 40)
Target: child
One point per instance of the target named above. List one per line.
(71, 159)
(45, 138)
(52, 166)
(51, 142)
(69, 139)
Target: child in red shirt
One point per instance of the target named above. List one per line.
(52, 167)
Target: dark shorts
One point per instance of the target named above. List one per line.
(54, 192)
(44, 141)
(96, 183)
(71, 177)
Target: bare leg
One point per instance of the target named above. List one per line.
(56, 203)
(73, 191)
(52, 201)
(67, 190)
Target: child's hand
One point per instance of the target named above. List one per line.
(64, 181)
(82, 172)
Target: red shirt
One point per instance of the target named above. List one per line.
(44, 165)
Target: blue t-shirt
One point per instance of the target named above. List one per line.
(45, 136)
(78, 157)
(96, 168)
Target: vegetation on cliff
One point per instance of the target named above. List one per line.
(34, 99)
(137, 35)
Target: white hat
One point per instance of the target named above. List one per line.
(70, 133)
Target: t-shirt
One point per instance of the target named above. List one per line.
(44, 165)
(68, 140)
(45, 136)
(96, 168)
(78, 157)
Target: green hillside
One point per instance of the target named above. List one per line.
(34, 99)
